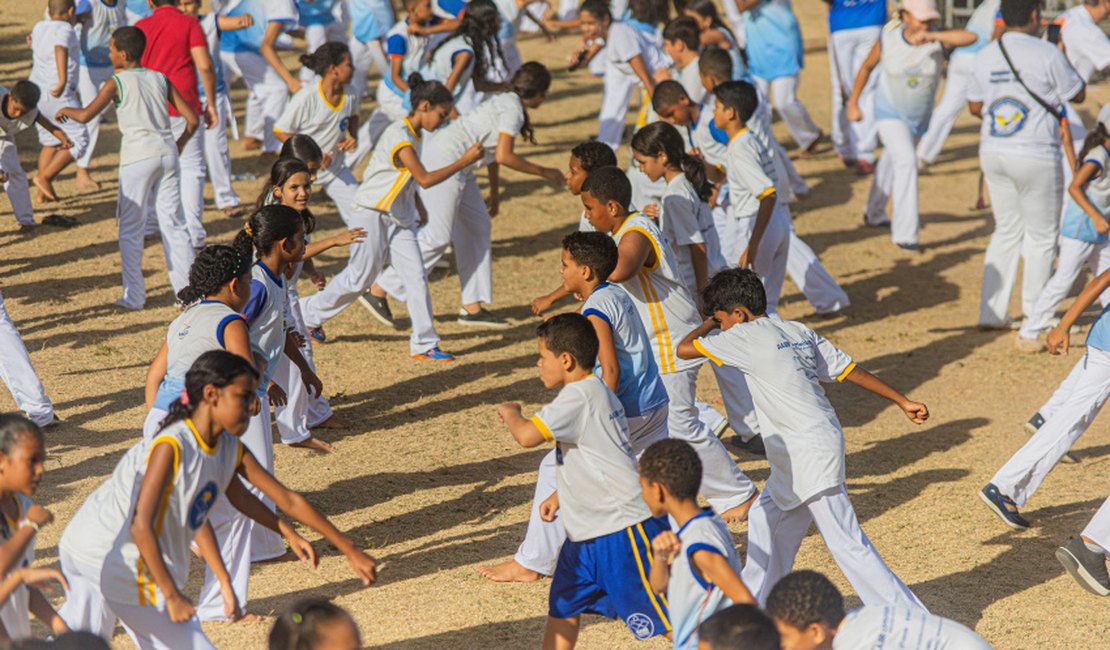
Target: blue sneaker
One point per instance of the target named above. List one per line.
(1004, 507)
(435, 354)
(317, 334)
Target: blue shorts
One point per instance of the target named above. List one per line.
(608, 575)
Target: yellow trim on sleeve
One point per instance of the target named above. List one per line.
(847, 371)
(399, 184)
(654, 244)
(701, 348)
(765, 193)
(393, 154)
(544, 430)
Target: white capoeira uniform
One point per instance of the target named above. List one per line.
(148, 174)
(320, 24)
(15, 613)
(216, 154)
(302, 410)
(854, 27)
(96, 67)
(623, 42)
(877, 626)
(108, 580)
(16, 185)
(46, 35)
(785, 363)
(19, 375)
(1088, 50)
(1019, 152)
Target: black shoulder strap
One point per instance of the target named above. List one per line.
(1052, 110)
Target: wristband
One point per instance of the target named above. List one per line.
(28, 522)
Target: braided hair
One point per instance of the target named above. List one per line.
(213, 268)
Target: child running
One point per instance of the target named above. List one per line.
(18, 112)
(98, 20)
(135, 529)
(785, 363)
(603, 565)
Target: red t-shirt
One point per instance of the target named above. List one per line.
(170, 35)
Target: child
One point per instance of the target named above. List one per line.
(22, 454)
(318, 21)
(98, 20)
(698, 568)
(1083, 232)
(328, 113)
(18, 111)
(135, 529)
(713, 32)
(630, 58)
(1066, 416)
(148, 163)
(19, 376)
(370, 21)
(315, 624)
(785, 363)
(388, 210)
(739, 626)
(624, 362)
(648, 271)
(602, 564)
(681, 42)
(457, 216)
(684, 216)
(912, 55)
(809, 612)
(56, 51)
(218, 290)
(467, 61)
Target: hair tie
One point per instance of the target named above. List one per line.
(185, 396)
(297, 618)
(247, 229)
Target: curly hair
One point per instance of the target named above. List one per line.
(676, 465)
(803, 598)
(214, 267)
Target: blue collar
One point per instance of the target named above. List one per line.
(704, 513)
(270, 273)
(601, 286)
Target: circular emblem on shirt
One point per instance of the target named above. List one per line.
(912, 82)
(206, 498)
(641, 625)
(343, 124)
(1007, 116)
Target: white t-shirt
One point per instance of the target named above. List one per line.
(595, 471)
(1013, 122)
(386, 187)
(15, 612)
(309, 113)
(888, 627)
(500, 113)
(785, 363)
(624, 42)
(908, 78)
(685, 221)
(142, 115)
(690, 78)
(10, 126)
(46, 35)
(97, 30)
(751, 174)
(690, 597)
(1086, 45)
(443, 62)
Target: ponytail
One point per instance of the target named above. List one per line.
(663, 138)
(217, 368)
(478, 27)
(213, 268)
(431, 91)
(1093, 139)
(532, 80)
(327, 55)
(265, 228)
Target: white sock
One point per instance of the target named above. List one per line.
(1092, 547)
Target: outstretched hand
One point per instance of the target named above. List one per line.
(915, 411)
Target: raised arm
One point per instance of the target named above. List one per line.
(688, 348)
(915, 411)
(525, 431)
(268, 50)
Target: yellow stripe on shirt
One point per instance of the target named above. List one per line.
(398, 185)
(665, 334)
(145, 578)
(765, 193)
(706, 353)
(644, 579)
(654, 322)
(654, 245)
(847, 371)
(544, 430)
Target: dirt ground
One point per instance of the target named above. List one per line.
(428, 481)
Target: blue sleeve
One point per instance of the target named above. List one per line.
(718, 134)
(223, 326)
(694, 548)
(453, 7)
(395, 45)
(600, 314)
(82, 7)
(257, 300)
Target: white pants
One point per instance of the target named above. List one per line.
(1026, 194)
(774, 536)
(301, 411)
(363, 55)
(784, 98)
(540, 548)
(364, 262)
(389, 110)
(952, 103)
(266, 99)
(89, 81)
(1074, 255)
(218, 157)
(847, 50)
(151, 629)
(85, 608)
(616, 92)
(341, 189)
(1087, 387)
(722, 484)
(314, 37)
(774, 251)
(895, 180)
(817, 284)
(139, 183)
(192, 174)
(16, 187)
(1098, 529)
(74, 130)
(18, 374)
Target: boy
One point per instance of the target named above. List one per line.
(98, 18)
(56, 51)
(148, 167)
(624, 363)
(739, 627)
(809, 612)
(648, 271)
(785, 363)
(681, 43)
(18, 111)
(698, 567)
(19, 375)
(602, 564)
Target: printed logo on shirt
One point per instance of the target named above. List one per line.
(1008, 116)
(641, 625)
(198, 512)
(343, 124)
(184, 332)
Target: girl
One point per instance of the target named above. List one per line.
(715, 33)
(328, 113)
(457, 215)
(466, 61)
(315, 624)
(135, 529)
(320, 24)
(684, 216)
(22, 453)
(1083, 238)
(912, 57)
(219, 286)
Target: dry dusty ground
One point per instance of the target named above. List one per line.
(429, 481)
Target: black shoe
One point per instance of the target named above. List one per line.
(1004, 507)
(910, 248)
(378, 308)
(1086, 566)
(753, 445)
(482, 318)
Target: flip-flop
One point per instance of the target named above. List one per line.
(60, 221)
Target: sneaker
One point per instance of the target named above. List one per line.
(435, 354)
(910, 248)
(378, 308)
(482, 318)
(1035, 423)
(1004, 507)
(753, 445)
(884, 223)
(317, 334)
(1086, 566)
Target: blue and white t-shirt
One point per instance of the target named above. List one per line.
(96, 32)
(852, 14)
(198, 329)
(263, 12)
(369, 19)
(1076, 223)
(774, 43)
(690, 597)
(412, 49)
(315, 12)
(266, 316)
(981, 24)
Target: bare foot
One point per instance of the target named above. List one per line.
(250, 144)
(510, 571)
(46, 190)
(287, 556)
(334, 422)
(247, 618)
(234, 213)
(85, 182)
(740, 512)
(312, 442)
